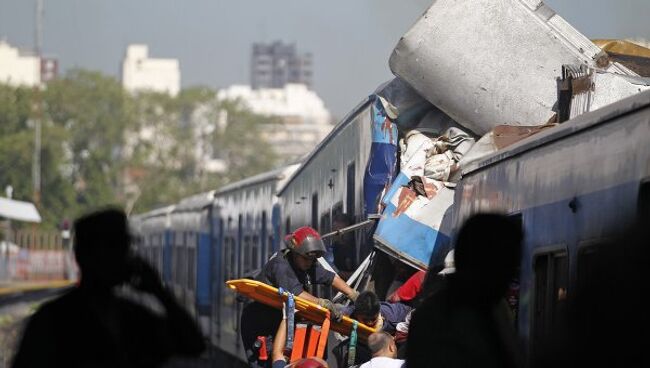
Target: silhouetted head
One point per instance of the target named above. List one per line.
(487, 253)
(101, 246)
(381, 344)
(366, 308)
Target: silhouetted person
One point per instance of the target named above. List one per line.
(95, 325)
(466, 322)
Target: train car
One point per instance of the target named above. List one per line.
(246, 223)
(570, 187)
(152, 238)
(191, 257)
(330, 180)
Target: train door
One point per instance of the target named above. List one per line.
(228, 324)
(276, 229)
(551, 281)
(265, 240)
(216, 276)
(240, 260)
(203, 260)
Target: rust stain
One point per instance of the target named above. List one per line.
(406, 197)
(387, 125)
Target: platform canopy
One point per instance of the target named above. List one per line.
(18, 210)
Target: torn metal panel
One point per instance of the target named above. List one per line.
(413, 227)
(382, 160)
(582, 89)
(415, 206)
(489, 62)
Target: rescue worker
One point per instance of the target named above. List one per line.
(368, 310)
(296, 270)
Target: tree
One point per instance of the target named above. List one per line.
(101, 145)
(241, 144)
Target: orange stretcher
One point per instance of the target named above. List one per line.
(314, 313)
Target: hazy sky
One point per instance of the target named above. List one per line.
(351, 39)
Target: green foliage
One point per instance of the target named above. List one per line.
(102, 145)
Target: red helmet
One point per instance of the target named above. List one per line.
(306, 241)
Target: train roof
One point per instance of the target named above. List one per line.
(342, 124)
(278, 174)
(162, 211)
(196, 201)
(574, 126)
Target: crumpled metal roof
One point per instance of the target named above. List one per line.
(18, 210)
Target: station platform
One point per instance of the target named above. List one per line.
(22, 287)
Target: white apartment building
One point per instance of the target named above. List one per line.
(304, 120)
(139, 72)
(18, 68)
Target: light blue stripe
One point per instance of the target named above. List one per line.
(408, 238)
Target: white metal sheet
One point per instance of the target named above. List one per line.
(18, 210)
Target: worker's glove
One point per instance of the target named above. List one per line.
(335, 311)
(353, 296)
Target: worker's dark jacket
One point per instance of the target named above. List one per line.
(260, 320)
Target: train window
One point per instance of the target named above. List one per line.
(256, 252)
(643, 205)
(550, 293)
(350, 199)
(240, 246)
(263, 234)
(233, 258)
(314, 211)
(227, 266)
(247, 254)
(191, 273)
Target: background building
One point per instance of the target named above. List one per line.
(276, 64)
(139, 72)
(18, 68)
(303, 121)
(49, 69)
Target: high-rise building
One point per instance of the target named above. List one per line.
(139, 72)
(276, 64)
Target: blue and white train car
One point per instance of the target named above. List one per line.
(246, 223)
(191, 255)
(154, 238)
(571, 187)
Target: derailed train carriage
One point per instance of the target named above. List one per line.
(425, 158)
